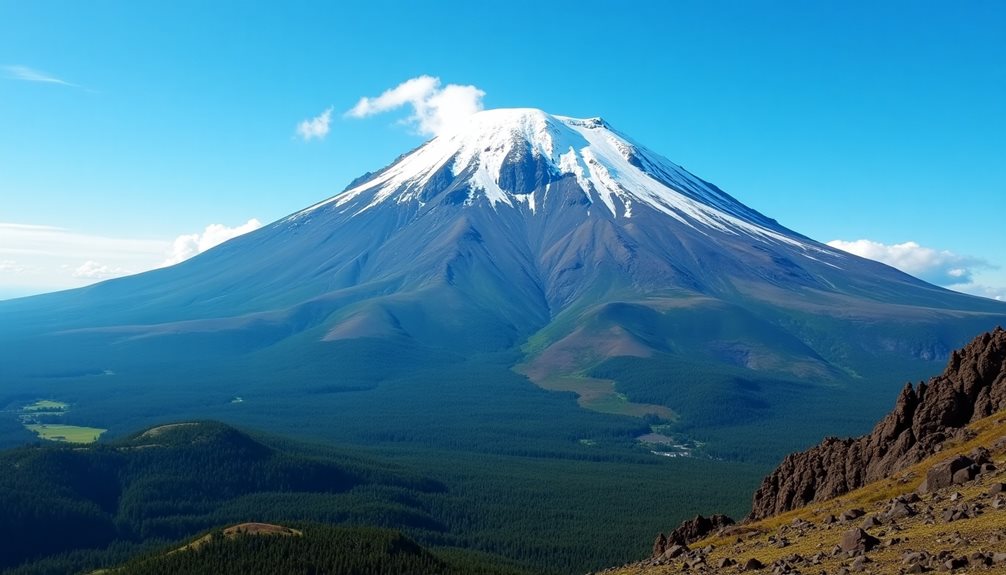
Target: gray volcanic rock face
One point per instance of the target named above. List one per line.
(523, 228)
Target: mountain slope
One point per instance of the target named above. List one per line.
(526, 225)
(554, 246)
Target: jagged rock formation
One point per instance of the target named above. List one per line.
(973, 386)
(690, 531)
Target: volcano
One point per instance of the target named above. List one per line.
(595, 264)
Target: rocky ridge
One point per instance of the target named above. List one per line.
(972, 386)
(936, 460)
(899, 525)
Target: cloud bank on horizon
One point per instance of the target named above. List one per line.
(940, 267)
(37, 259)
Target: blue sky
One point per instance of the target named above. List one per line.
(133, 134)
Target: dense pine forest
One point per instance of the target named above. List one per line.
(488, 463)
(315, 549)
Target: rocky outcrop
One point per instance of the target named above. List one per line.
(688, 532)
(973, 386)
(698, 528)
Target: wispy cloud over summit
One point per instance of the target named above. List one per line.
(435, 108)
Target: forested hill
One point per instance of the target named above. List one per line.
(308, 548)
(90, 506)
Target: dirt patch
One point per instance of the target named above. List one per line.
(155, 431)
(267, 529)
(260, 529)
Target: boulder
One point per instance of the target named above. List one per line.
(943, 473)
(899, 510)
(956, 563)
(852, 514)
(962, 476)
(871, 522)
(753, 564)
(858, 540)
(673, 551)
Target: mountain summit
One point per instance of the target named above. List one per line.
(512, 157)
(603, 268)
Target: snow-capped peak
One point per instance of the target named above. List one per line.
(610, 169)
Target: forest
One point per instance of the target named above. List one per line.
(458, 455)
(67, 508)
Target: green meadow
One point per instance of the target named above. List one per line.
(67, 433)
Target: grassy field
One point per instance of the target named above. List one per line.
(67, 433)
(600, 395)
(46, 405)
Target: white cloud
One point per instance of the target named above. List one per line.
(435, 109)
(940, 267)
(36, 259)
(27, 74)
(11, 267)
(316, 127)
(996, 293)
(189, 245)
(96, 271)
(987, 292)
